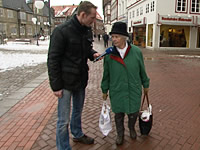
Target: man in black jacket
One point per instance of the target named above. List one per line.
(69, 49)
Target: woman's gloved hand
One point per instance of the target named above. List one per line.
(104, 96)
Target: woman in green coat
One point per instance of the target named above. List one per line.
(124, 75)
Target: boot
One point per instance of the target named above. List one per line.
(132, 118)
(119, 121)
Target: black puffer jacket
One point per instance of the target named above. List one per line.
(69, 49)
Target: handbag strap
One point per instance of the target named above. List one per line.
(145, 97)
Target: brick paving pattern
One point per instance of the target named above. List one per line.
(174, 95)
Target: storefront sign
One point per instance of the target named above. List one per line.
(138, 22)
(176, 20)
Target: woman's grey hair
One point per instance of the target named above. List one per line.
(126, 38)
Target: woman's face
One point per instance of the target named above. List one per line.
(118, 41)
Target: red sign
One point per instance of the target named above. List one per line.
(176, 19)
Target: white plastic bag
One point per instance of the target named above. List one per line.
(105, 122)
(145, 114)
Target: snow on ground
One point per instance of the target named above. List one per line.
(10, 60)
(43, 45)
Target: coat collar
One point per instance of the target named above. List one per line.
(79, 27)
(116, 56)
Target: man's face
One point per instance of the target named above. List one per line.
(88, 20)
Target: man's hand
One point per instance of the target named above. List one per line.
(104, 96)
(146, 90)
(97, 55)
(59, 93)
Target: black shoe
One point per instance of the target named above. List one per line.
(133, 134)
(84, 139)
(120, 140)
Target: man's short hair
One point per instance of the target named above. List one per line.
(85, 6)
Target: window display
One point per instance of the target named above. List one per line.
(174, 36)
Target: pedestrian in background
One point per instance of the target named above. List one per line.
(69, 50)
(105, 39)
(124, 75)
(99, 37)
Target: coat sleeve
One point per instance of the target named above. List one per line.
(55, 53)
(92, 52)
(106, 77)
(144, 78)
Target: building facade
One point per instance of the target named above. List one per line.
(160, 24)
(107, 15)
(16, 19)
(63, 13)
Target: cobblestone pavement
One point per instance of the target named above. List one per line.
(174, 95)
(12, 80)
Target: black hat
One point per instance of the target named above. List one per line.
(119, 28)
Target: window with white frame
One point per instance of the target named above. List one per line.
(182, 5)
(22, 30)
(2, 27)
(30, 17)
(29, 31)
(10, 14)
(1, 12)
(195, 6)
(141, 11)
(108, 9)
(130, 15)
(108, 19)
(23, 15)
(147, 8)
(138, 12)
(133, 14)
(13, 30)
(120, 7)
(152, 6)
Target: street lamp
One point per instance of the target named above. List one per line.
(39, 4)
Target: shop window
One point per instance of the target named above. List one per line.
(150, 35)
(174, 36)
(198, 38)
(181, 5)
(139, 36)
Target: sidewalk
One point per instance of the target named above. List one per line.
(28, 121)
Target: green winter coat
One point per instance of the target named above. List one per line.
(124, 78)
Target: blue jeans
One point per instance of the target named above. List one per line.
(64, 108)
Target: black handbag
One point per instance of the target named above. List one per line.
(145, 124)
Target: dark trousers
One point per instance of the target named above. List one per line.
(119, 122)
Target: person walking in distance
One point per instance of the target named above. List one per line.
(69, 50)
(123, 76)
(105, 39)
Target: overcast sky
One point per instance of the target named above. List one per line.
(98, 3)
